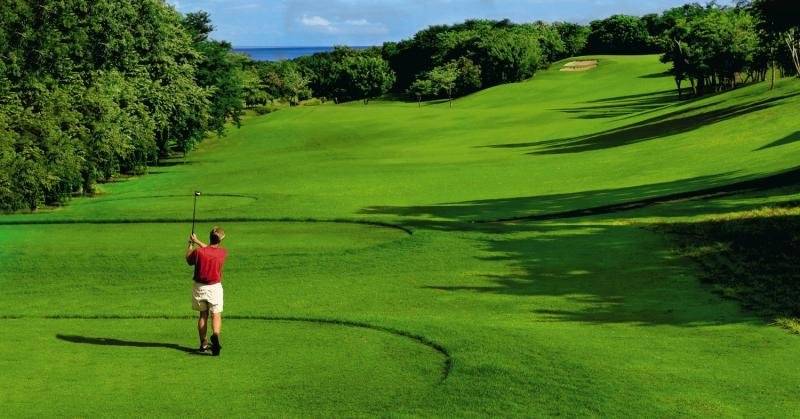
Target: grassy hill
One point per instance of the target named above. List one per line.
(559, 141)
(596, 315)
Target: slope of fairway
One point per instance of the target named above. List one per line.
(557, 142)
(419, 312)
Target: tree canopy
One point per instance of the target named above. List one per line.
(92, 90)
(620, 34)
(715, 47)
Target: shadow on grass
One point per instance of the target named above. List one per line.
(602, 273)
(751, 258)
(624, 105)
(126, 343)
(684, 120)
(537, 205)
(172, 162)
(633, 97)
(660, 75)
(789, 139)
(590, 203)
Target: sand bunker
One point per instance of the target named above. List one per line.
(579, 65)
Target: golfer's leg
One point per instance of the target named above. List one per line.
(216, 323)
(202, 327)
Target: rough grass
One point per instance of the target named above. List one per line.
(750, 256)
(592, 316)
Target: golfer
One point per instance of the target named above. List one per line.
(207, 260)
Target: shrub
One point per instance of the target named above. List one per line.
(266, 109)
(311, 102)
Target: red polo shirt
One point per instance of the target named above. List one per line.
(207, 263)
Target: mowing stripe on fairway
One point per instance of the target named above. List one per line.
(214, 195)
(205, 220)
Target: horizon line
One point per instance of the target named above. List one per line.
(303, 46)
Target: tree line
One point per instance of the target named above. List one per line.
(91, 90)
(442, 61)
(710, 47)
(715, 47)
(344, 74)
(446, 61)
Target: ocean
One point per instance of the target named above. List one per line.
(282, 53)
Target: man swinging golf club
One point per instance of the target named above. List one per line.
(207, 260)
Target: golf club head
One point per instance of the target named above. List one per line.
(196, 193)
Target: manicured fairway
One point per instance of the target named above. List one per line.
(97, 367)
(592, 316)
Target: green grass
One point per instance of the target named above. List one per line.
(749, 256)
(592, 316)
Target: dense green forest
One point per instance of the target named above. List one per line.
(91, 90)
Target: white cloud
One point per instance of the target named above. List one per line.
(315, 21)
(338, 26)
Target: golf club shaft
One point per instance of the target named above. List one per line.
(194, 212)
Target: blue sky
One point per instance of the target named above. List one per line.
(371, 22)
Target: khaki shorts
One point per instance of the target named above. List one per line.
(207, 297)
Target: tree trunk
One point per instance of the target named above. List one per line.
(794, 48)
(772, 81)
(88, 189)
(678, 83)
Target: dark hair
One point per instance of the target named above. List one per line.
(216, 236)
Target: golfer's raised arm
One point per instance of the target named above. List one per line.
(191, 251)
(191, 256)
(194, 240)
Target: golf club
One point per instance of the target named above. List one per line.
(194, 211)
